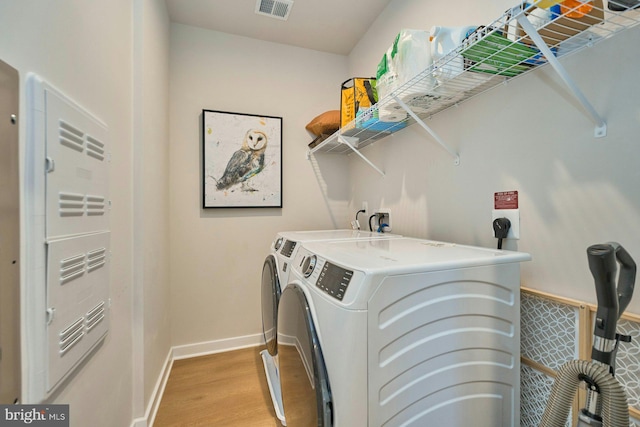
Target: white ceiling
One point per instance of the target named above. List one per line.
(333, 26)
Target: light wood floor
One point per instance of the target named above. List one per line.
(225, 389)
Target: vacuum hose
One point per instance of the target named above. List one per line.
(615, 409)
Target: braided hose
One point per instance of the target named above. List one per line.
(615, 409)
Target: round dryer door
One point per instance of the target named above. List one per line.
(304, 384)
(270, 298)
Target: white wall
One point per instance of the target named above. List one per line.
(217, 254)
(530, 136)
(151, 305)
(84, 49)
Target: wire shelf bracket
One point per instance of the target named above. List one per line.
(414, 116)
(351, 143)
(527, 26)
(345, 140)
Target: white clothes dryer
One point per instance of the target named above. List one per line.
(401, 332)
(275, 276)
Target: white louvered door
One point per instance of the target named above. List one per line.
(77, 176)
(68, 242)
(77, 300)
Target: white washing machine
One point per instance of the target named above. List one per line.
(275, 276)
(400, 332)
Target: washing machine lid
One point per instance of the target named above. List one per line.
(408, 255)
(345, 234)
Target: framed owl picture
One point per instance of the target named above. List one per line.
(241, 160)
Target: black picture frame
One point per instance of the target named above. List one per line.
(241, 160)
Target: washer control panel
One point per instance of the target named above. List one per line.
(288, 248)
(334, 280)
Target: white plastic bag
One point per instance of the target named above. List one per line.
(387, 83)
(409, 56)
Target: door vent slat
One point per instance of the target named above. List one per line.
(95, 316)
(68, 262)
(71, 204)
(98, 309)
(95, 205)
(66, 346)
(71, 335)
(95, 265)
(96, 259)
(95, 148)
(71, 268)
(79, 271)
(94, 322)
(71, 137)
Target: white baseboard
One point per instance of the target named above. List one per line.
(139, 422)
(158, 390)
(156, 396)
(185, 352)
(218, 346)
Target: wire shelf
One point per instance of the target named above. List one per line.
(493, 54)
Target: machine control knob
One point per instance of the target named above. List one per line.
(278, 243)
(308, 265)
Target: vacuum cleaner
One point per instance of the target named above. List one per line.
(606, 403)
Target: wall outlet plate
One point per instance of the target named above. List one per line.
(513, 215)
(385, 214)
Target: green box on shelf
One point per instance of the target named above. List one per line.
(495, 54)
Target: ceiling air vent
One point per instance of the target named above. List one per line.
(278, 9)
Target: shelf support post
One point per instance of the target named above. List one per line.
(527, 26)
(414, 116)
(344, 141)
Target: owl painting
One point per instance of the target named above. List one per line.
(241, 160)
(245, 163)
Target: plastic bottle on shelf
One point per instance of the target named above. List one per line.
(575, 8)
(540, 17)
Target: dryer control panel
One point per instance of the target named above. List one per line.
(334, 280)
(288, 248)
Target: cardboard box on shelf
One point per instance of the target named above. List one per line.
(564, 27)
